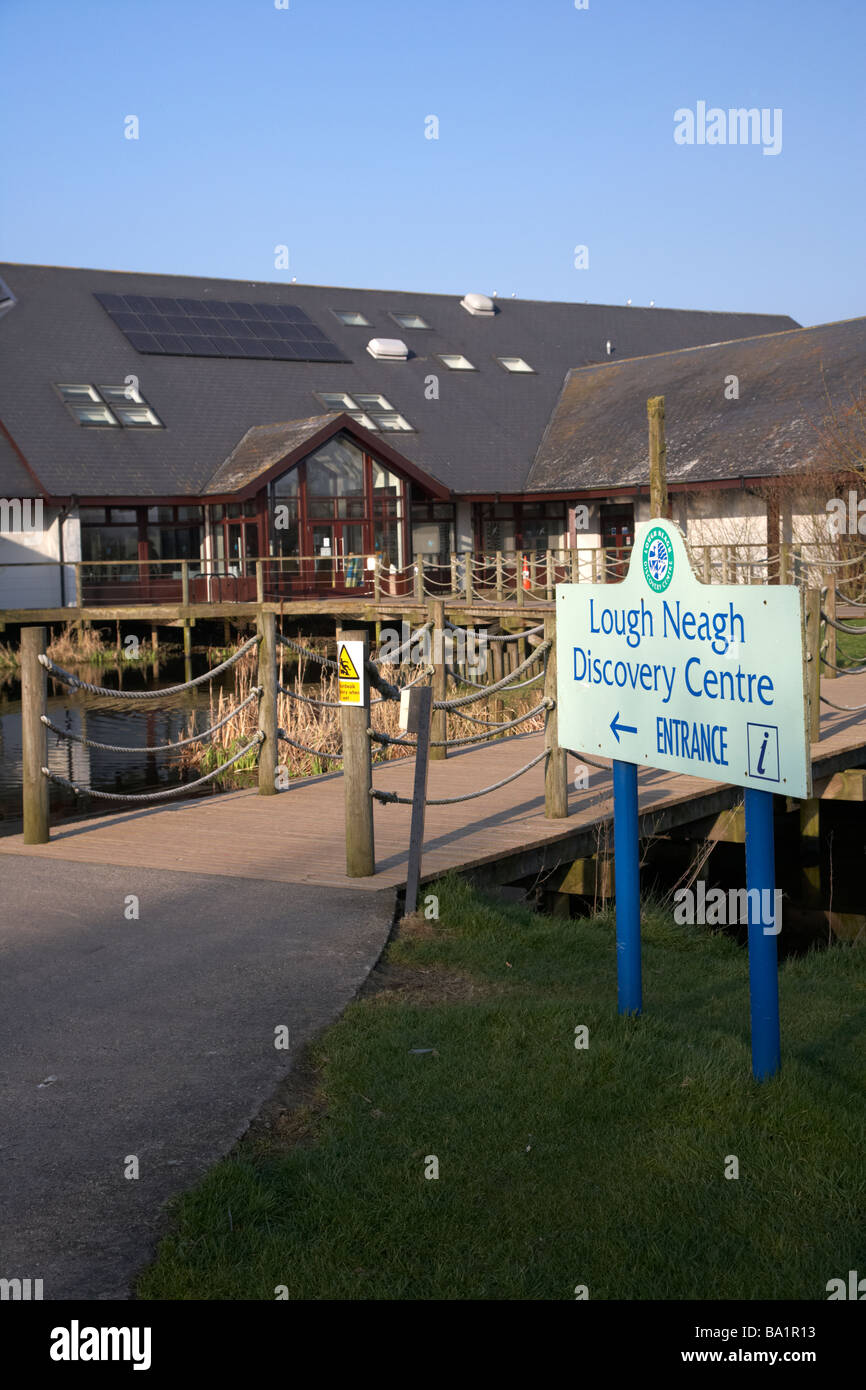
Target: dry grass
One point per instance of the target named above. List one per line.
(317, 727)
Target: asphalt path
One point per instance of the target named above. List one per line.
(149, 1038)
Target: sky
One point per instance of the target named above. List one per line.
(307, 127)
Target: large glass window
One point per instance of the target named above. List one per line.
(336, 470)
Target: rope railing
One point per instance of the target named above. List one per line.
(842, 627)
(305, 748)
(488, 690)
(154, 796)
(497, 728)
(153, 747)
(74, 683)
(384, 796)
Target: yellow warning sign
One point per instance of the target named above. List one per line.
(347, 666)
(350, 662)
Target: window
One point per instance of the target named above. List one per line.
(129, 395)
(410, 321)
(456, 362)
(370, 409)
(137, 416)
(352, 318)
(514, 364)
(92, 407)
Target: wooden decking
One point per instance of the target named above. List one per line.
(297, 836)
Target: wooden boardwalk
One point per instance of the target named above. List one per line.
(297, 836)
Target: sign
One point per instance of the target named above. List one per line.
(351, 677)
(664, 671)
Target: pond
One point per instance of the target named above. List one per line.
(130, 724)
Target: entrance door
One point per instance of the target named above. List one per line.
(337, 555)
(617, 538)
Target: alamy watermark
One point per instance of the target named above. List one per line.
(716, 908)
(19, 514)
(737, 126)
(461, 646)
(846, 516)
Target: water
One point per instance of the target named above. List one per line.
(130, 724)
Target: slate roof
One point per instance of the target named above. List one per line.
(788, 383)
(481, 435)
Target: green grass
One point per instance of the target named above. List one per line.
(557, 1166)
(851, 648)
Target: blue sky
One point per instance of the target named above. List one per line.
(305, 127)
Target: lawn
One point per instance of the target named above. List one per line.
(558, 1166)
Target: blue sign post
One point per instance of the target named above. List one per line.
(763, 955)
(626, 852)
(701, 679)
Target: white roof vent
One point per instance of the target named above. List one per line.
(478, 304)
(388, 349)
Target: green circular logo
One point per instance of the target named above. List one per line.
(658, 560)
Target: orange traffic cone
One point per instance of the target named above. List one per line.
(526, 581)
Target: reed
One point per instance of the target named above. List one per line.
(318, 727)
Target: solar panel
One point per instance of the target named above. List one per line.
(216, 328)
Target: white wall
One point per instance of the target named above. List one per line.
(38, 585)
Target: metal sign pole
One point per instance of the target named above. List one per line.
(626, 849)
(763, 953)
(420, 708)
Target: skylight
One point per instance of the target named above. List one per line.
(410, 321)
(108, 406)
(369, 409)
(456, 362)
(352, 318)
(514, 364)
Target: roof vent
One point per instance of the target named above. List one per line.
(478, 304)
(388, 349)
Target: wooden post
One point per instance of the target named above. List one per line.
(453, 575)
(813, 661)
(498, 671)
(784, 562)
(154, 639)
(708, 573)
(555, 770)
(549, 576)
(420, 707)
(260, 582)
(832, 656)
(439, 726)
(575, 566)
(377, 583)
(34, 736)
(269, 750)
(499, 594)
(518, 571)
(419, 576)
(468, 584)
(725, 558)
(358, 774)
(655, 408)
(77, 584)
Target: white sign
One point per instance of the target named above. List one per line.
(664, 671)
(351, 676)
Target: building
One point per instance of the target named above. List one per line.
(338, 432)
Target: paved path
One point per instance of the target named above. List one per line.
(160, 1036)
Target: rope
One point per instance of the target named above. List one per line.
(470, 738)
(849, 709)
(307, 652)
(153, 796)
(498, 636)
(469, 796)
(499, 685)
(153, 747)
(69, 679)
(841, 627)
(335, 704)
(591, 762)
(843, 670)
(316, 752)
